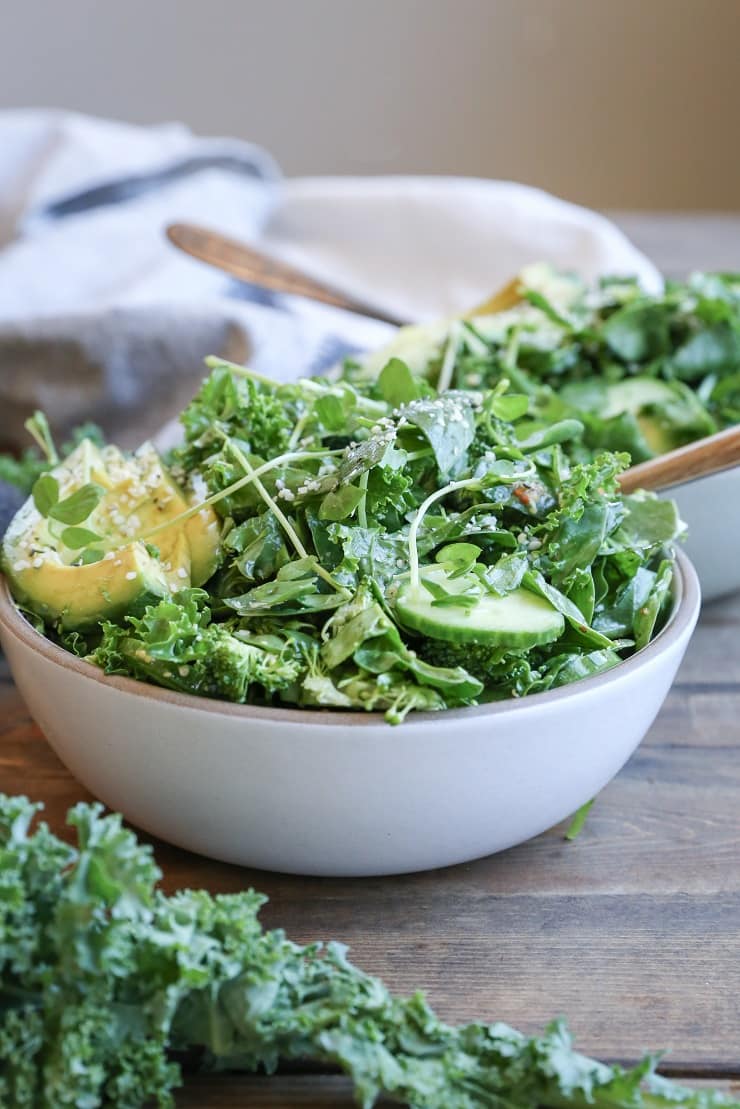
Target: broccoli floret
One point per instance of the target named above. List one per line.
(174, 645)
(496, 667)
(391, 693)
(231, 666)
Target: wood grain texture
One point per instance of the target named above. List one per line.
(277, 1092)
(633, 930)
(326, 1092)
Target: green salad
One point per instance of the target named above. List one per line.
(380, 542)
(643, 373)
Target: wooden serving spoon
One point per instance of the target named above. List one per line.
(706, 456)
(257, 269)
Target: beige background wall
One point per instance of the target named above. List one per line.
(616, 103)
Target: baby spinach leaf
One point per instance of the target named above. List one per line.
(572, 613)
(507, 573)
(615, 615)
(366, 552)
(397, 384)
(294, 590)
(258, 546)
(582, 592)
(714, 350)
(340, 503)
(561, 432)
(648, 613)
(448, 424)
(578, 540)
(648, 522)
(638, 332)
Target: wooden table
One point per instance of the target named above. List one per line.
(633, 930)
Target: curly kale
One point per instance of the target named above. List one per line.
(173, 644)
(102, 976)
(231, 406)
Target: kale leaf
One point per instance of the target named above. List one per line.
(103, 977)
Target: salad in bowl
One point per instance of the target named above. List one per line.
(216, 643)
(379, 542)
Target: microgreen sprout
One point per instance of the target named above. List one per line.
(285, 523)
(250, 476)
(448, 364)
(414, 572)
(38, 428)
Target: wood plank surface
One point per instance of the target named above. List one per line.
(633, 930)
(324, 1092)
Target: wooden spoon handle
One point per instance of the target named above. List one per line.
(700, 459)
(257, 269)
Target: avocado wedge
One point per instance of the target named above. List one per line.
(103, 567)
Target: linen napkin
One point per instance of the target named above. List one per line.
(101, 318)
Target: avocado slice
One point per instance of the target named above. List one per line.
(202, 530)
(667, 413)
(636, 394)
(138, 496)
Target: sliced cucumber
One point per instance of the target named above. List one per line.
(520, 619)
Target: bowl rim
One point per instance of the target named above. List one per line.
(686, 602)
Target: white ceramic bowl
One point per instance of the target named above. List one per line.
(710, 507)
(343, 793)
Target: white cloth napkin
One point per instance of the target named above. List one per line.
(84, 261)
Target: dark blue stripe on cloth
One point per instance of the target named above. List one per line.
(136, 185)
(255, 294)
(333, 350)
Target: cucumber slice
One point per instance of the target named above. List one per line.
(519, 620)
